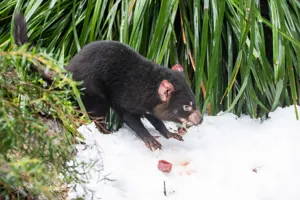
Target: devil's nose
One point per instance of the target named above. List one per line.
(196, 117)
(201, 119)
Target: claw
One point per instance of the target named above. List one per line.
(175, 136)
(101, 127)
(152, 143)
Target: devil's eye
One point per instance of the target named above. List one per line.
(187, 108)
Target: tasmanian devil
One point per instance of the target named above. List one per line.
(114, 75)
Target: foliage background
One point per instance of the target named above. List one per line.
(240, 56)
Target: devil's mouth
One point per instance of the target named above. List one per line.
(185, 123)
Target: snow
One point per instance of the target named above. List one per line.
(227, 158)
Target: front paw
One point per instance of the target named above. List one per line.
(152, 143)
(174, 135)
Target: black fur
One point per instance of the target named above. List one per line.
(125, 80)
(21, 38)
(116, 76)
(20, 29)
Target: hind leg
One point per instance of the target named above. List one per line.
(160, 127)
(97, 109)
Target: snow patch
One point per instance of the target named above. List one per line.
(224, 158)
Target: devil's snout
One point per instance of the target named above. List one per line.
(196, 117)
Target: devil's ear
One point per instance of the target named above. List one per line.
(177, 67)
(165, 90)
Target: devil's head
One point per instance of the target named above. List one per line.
(178, 103)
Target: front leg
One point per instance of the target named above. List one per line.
(160, 127)
(134, 122)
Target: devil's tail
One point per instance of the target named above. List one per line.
(20, 30)
(21, 37)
